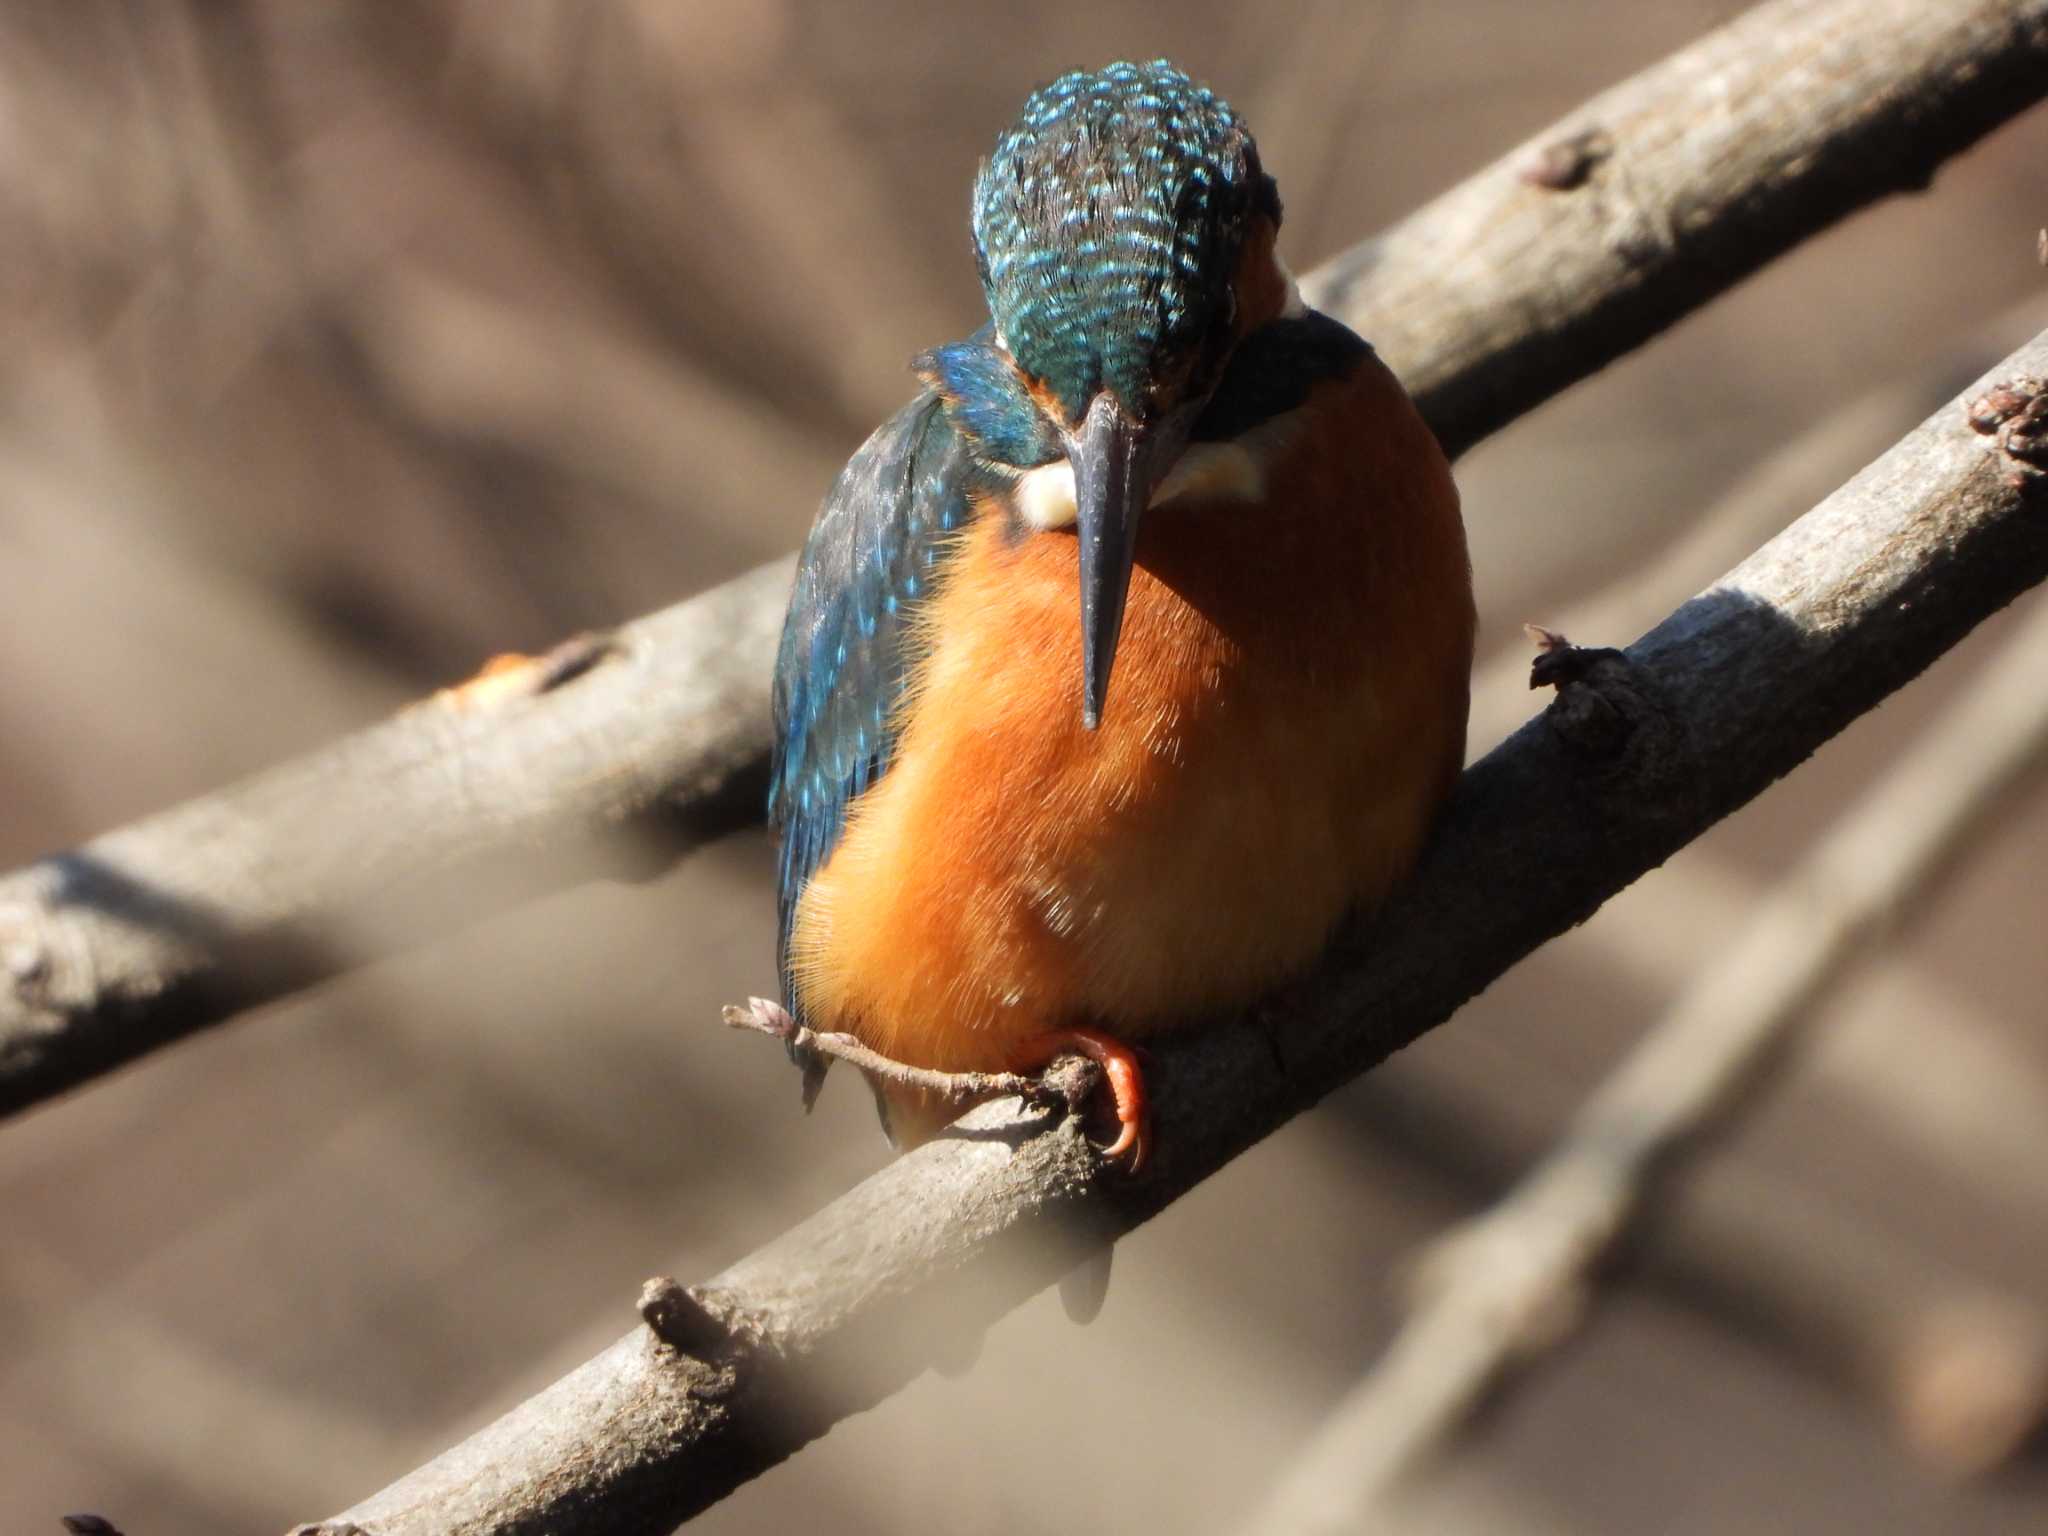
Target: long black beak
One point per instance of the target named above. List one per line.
(1110, 491)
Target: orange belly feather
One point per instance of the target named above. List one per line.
(1287, 712)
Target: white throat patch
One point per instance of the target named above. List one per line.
(1222, 471)
(1045, 495)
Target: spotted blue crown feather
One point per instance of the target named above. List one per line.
(1107, 223)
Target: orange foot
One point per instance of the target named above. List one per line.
(1126, 1081)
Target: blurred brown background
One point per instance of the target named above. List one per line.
(349, 344)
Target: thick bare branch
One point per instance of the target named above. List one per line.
(1535, 273)
(467, 802)
(1655, 196)
(1511, 1282)
(1769, 494)
(1632, 761)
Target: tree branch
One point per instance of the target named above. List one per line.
(1956, 1363)
(1631, 761)
(1538, 271)
(518, 782)
(1672, 187)
(1510, 1283)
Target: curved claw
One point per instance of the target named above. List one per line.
(1121, 1073)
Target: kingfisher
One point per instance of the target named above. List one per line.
(1131, 655)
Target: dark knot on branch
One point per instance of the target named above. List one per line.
(2016, 413)
(1611, 716)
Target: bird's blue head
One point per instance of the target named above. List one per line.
(1124, 230)
(1108, 224)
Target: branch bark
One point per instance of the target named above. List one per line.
(516, 783)
(1661, 193)
(1634, 759)
(1541, 269)
(1512, 1282)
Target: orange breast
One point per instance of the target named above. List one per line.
(1287, 711)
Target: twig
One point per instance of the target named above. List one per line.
(962, 1088)
(1488, 301)
(1507, 1284)
(1730, 692)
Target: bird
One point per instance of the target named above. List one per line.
(1131, 655)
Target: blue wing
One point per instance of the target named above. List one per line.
(846, 647)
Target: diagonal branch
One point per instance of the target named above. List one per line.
(1637, 756)
(1659, 194)
(1508, 1284)
(1536, 272)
